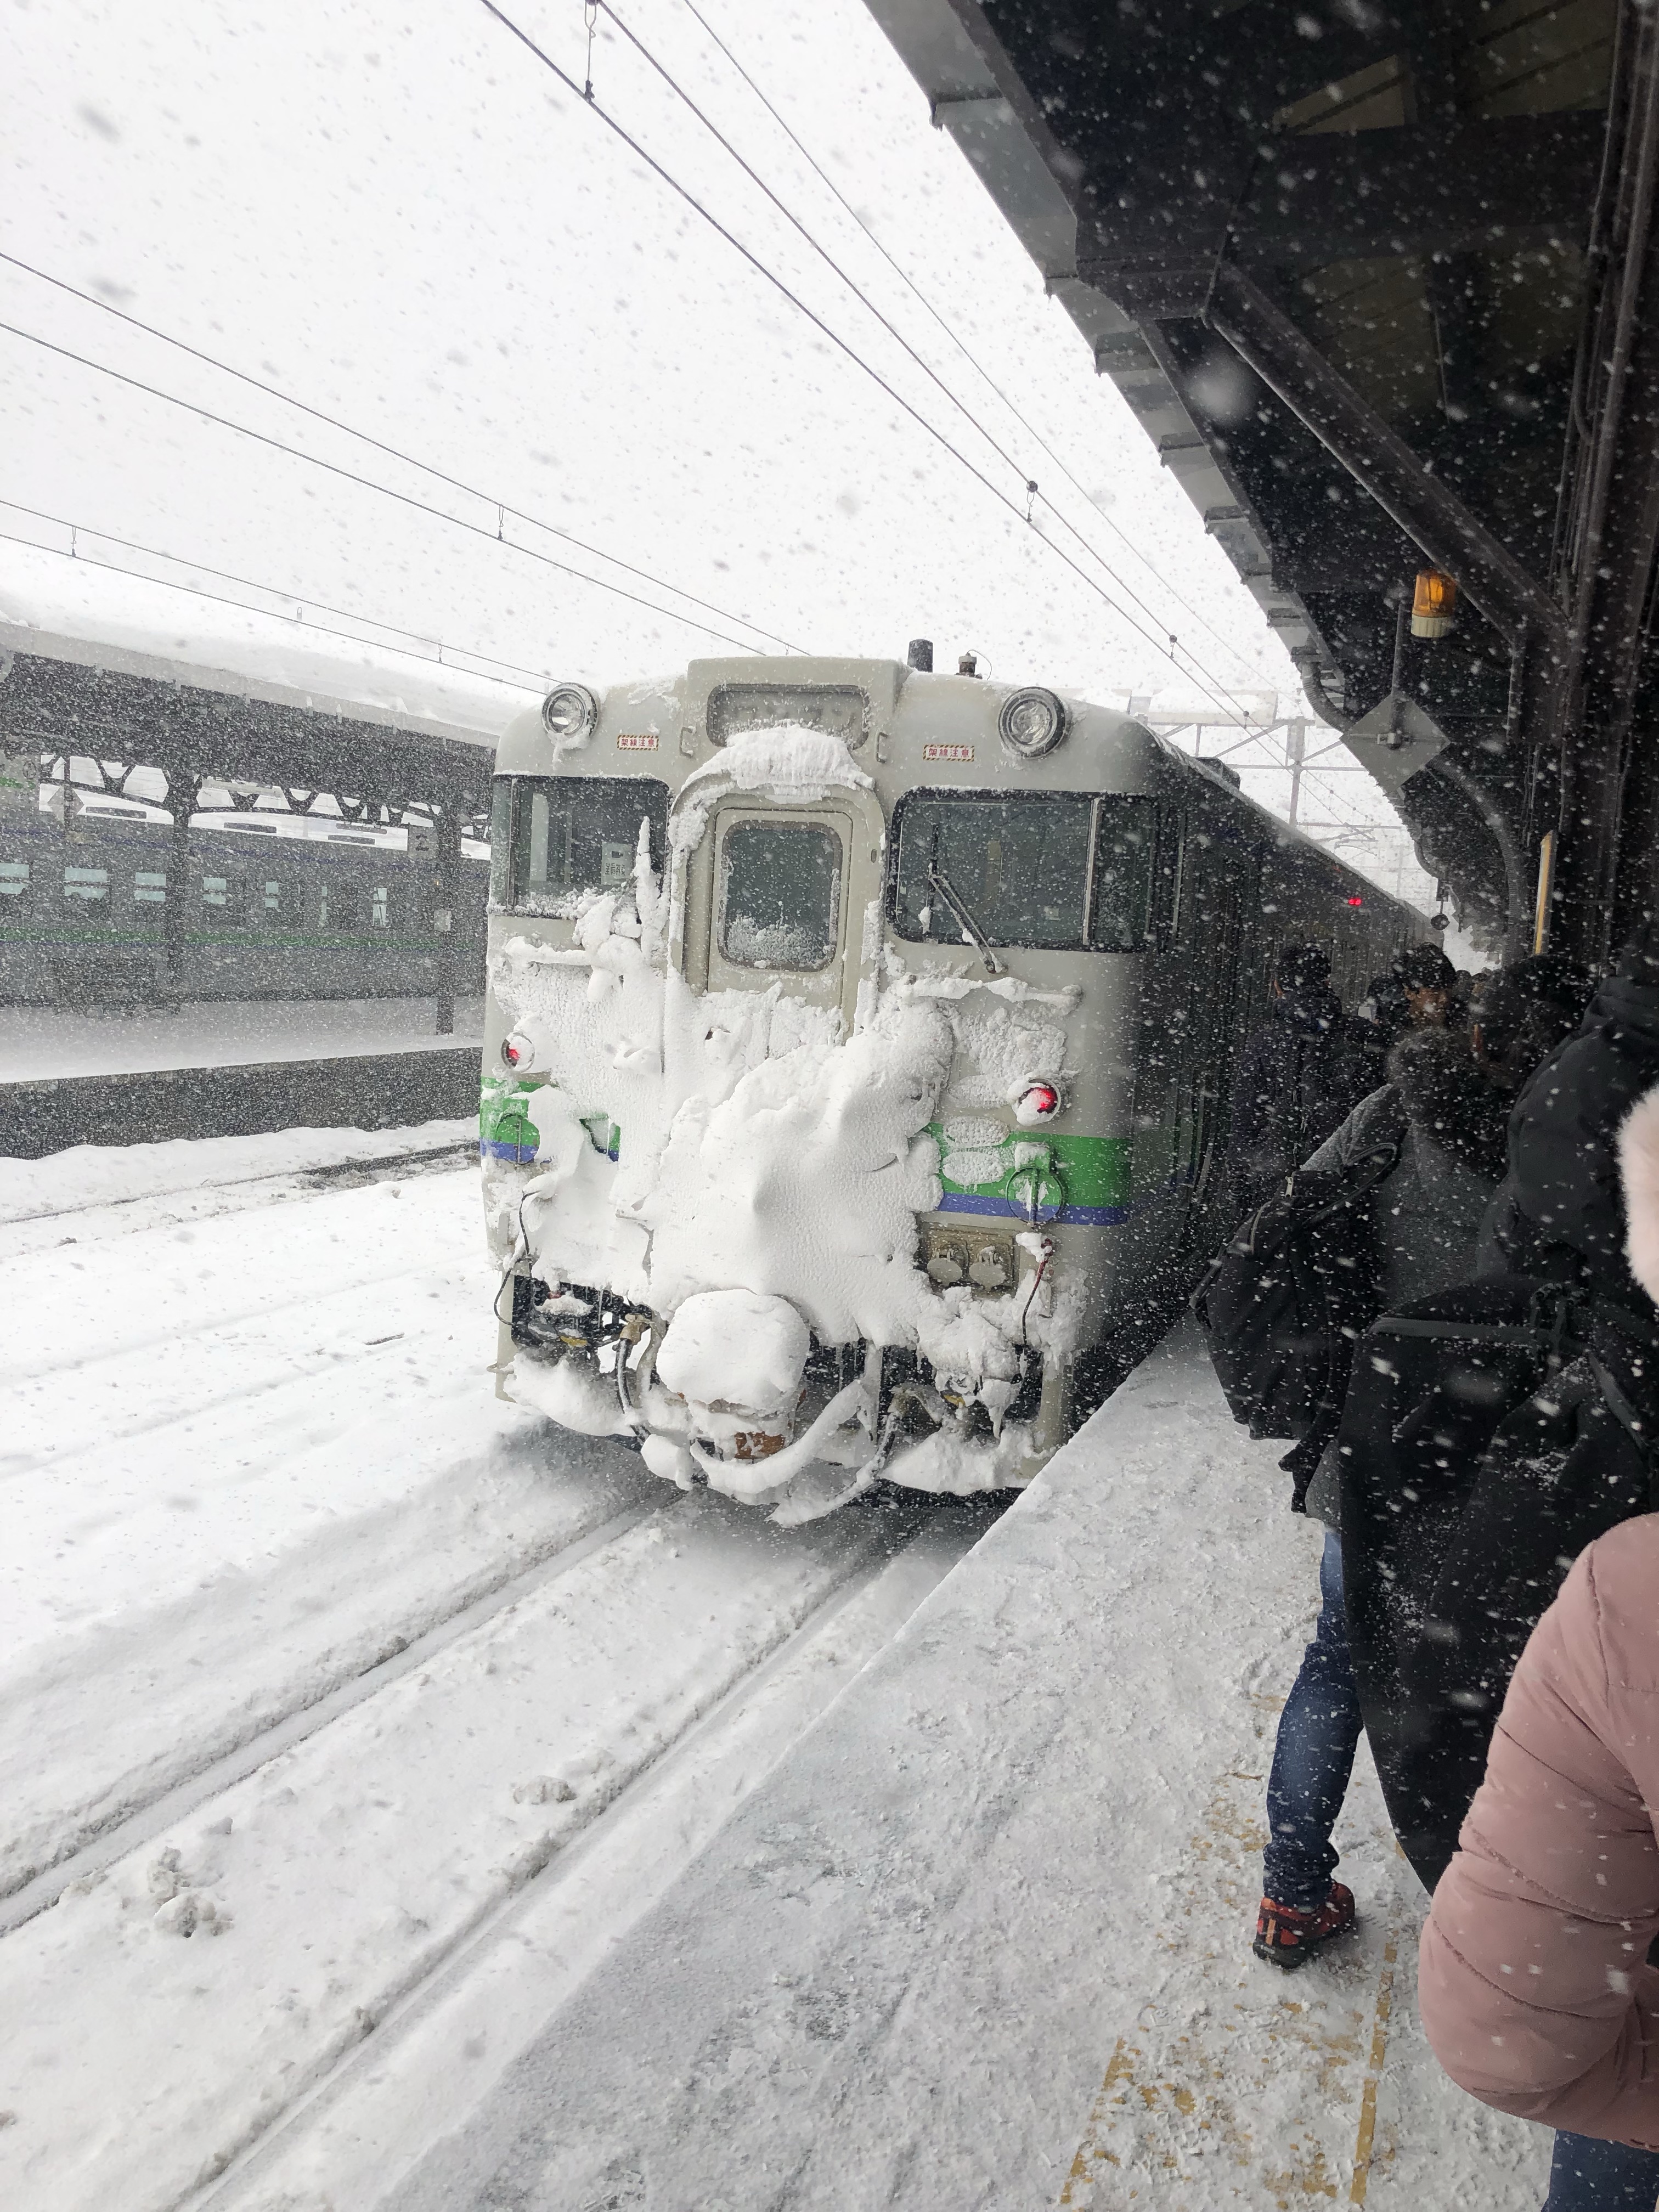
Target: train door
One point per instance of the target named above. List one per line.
(1214, 940)
(782, 905)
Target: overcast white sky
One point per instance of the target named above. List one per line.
(399, 217)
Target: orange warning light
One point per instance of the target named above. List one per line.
(1434, 603)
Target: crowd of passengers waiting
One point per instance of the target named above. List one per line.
(1489, 1147)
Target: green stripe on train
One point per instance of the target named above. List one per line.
(1096, 1170)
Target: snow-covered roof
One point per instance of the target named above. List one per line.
(93, 619)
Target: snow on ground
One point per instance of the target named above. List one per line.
(313, 1654)
(981, 1937)
(40, 1041)
(679, 1859)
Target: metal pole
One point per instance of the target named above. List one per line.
(1296, 742)
(445, 820)
(183, 792)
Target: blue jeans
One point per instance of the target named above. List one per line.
(1318, 1732)
(1588, 2175)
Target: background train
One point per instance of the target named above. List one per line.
(276, 906)
(857, 1061)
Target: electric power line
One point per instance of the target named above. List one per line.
(1160, 645)
(396, 452)
(368, 484)
(1211, 682)
(539, 677)
(950, 333)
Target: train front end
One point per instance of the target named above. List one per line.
(807, 1087)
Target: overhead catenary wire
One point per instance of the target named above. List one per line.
(539, 678)
(1159, 643)
(394, 453)
(369, 483)
(953, 335)
(1028, 488)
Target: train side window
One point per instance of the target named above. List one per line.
(14, 879)
(1017, 866)
(85, 889)
(552, 838)
(341, 906)
(224, 899)
(274, 901)
(149, 887)
(378, 913)
(1131, 839)
(780, 894)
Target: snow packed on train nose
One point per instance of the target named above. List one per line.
(851, 1067)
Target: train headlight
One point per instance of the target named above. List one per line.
(568, 714)
(1036, 1104)
(1031, 723)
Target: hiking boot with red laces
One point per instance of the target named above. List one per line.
(1288, 1937)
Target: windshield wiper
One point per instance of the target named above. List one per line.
(939, 881)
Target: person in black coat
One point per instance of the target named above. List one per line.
(1295, 1082)
(1559, 1212)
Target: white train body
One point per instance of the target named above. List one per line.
(856, 1061)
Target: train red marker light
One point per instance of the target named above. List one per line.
(1037, 1103)
(1356, 901)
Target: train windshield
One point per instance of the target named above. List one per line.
(551, 838)
(1025, 872)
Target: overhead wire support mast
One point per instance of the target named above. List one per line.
(1211, 682)
(393, 452)
(387, 491)
(950, 333)
(1157, 641)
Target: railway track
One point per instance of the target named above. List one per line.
(326, 1876)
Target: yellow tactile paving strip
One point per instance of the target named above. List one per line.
(1240, 2086)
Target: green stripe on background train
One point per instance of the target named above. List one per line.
(985, 1168)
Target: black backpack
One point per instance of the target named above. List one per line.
(1284, 1301)
(1490, 1433)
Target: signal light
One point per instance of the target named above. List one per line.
(1037, 1103)
(1434, 603)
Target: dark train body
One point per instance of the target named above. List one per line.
(269, 914)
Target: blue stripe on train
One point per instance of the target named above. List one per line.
(491, 1148)
(1079, 1217)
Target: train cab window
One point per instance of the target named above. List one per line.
(14, 879)
(1049, 872)
(780, 894)
(551, 838)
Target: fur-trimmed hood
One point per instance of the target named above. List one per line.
(1638, 1166)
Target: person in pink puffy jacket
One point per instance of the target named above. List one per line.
(1536, 1991)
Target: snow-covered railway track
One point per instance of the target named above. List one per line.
(182, 1999)
(142, 1821)
(51, 1210)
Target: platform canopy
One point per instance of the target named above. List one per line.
(1377, 277)
(374, 737)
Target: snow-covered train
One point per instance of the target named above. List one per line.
(857, 1058)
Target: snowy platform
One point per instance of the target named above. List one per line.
(40, 1042)
(982, 1938)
